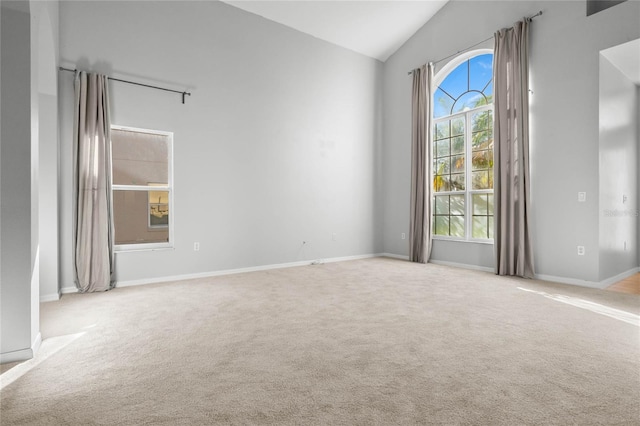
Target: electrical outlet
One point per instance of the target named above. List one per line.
(196, 246)
(580, 250)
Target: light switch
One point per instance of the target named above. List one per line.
(582, 197)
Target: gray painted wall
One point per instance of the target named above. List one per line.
(279, 143)
(19, 314)
(45, 21)
(618, 171)
(564, 57)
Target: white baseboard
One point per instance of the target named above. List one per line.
(462, 265)
(394, 256)
(22, 354)
(591, 284)
(144, 281)
(619, 277)
(341, 259)
(49, 297)
(571, 281)
(129, 283)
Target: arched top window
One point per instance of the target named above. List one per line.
(468, 86)
(462, 151)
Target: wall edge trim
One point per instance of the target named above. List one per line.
(182, 277)
(621, 276)
(52, 297)
(22, 354)
(462, 265)
(395, 256)
(571, 281)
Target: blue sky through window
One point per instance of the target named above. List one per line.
(465, 86)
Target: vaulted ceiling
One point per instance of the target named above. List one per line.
(373, 28)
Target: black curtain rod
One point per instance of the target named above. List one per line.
(137, 84)
(478, 43)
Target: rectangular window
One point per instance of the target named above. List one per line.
(463, 175)
(142, 187)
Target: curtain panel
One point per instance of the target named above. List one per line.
(512, 239)
(92, 217)
(421, 169)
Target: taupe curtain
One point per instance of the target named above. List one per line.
(512, 239)
(92, 221)
(421, 170)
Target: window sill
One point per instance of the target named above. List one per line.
(461, 240)
(118, 250)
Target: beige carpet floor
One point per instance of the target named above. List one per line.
(367, 342)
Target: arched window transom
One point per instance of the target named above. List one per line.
(468, 86)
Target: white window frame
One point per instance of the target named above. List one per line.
(468, 192)
(169, 188)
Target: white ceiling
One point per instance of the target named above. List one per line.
(374, 28)
(626, 57)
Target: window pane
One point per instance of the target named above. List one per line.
(457, 145)
(480, 180)
(488, 92)
(442, 205)
(457, 164)
(480, 140)
(490, 204)
(468, 101)
(158, 209)
(139, 158)
(480, 228)
(441, 225)
(441, 104)
(456, 82)
(457, 182)
(457, 126)
(442, 148)
(141, 216)
(457, 205)
(480, 71)
(482, 160)
(442, 130)
(480, 121)
(480, 204)
(442, 183)
(457, 226)
(442, 166)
